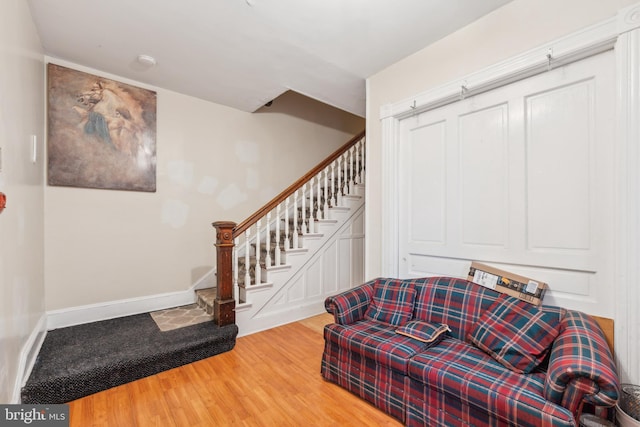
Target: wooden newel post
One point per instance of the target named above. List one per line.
(224, 305)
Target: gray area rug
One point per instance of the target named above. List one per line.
(81, 360)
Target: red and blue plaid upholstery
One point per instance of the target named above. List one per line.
(516, 333)
(474, 389)
(375, 341)
(581, 366)
(392, 302)
(454, 302)
(374, 382)
(428, 333)
(453, 382)
(350, 306)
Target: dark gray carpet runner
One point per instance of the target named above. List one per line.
(81, 360)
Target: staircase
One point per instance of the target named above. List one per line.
(280, 264)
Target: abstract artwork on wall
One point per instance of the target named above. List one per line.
(101, 133)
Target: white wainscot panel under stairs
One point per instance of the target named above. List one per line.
(330, 260)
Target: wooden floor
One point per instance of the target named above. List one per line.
(271, 378)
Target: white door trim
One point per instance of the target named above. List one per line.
(627, 301)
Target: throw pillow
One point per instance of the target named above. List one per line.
(429, 333)
(515, 333)
(392, 302)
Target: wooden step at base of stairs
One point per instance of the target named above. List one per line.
(205, 299)
(207, 296)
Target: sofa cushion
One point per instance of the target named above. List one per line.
(376, 341)
(457, 303)
(428, 333)
(392, 302)
(465, 373)
(516, 333)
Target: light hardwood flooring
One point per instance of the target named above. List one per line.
(271, 378)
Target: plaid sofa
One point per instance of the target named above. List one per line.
(469, 376)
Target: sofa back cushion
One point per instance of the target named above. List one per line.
(516, 333)
(392, 303)
(457, 303)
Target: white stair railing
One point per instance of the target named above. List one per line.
(299, 209)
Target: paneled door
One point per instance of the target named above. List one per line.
(520, 177)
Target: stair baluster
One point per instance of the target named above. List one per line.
(356, 165)
(277, 241)
(325, 192)
(338, 185)
(345, 176)
(296, 229)
(340, 180)
(350, 169)
(318, 204)
(247, 259)
(352, 172)
(360, 157)
(287, 233)
(257, 273)
(313, 200)
(333, 201)
(236, 285)
(304, 210)
(267, 257)
(312, 207)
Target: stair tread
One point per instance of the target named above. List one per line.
(206, 298)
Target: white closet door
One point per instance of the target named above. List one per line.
(521, 178)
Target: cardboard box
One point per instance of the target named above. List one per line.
(524, 288)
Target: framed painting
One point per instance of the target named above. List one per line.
(101, 133)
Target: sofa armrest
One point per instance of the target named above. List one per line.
(581, 368)
(350, 306)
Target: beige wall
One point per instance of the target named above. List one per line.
(508, 31)
(213, 163)
(21, 224)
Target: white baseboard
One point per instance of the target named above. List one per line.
(28, 356)
(112, 309)
(275, 319)
(127, 307)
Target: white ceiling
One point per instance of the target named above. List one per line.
(244, 53)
